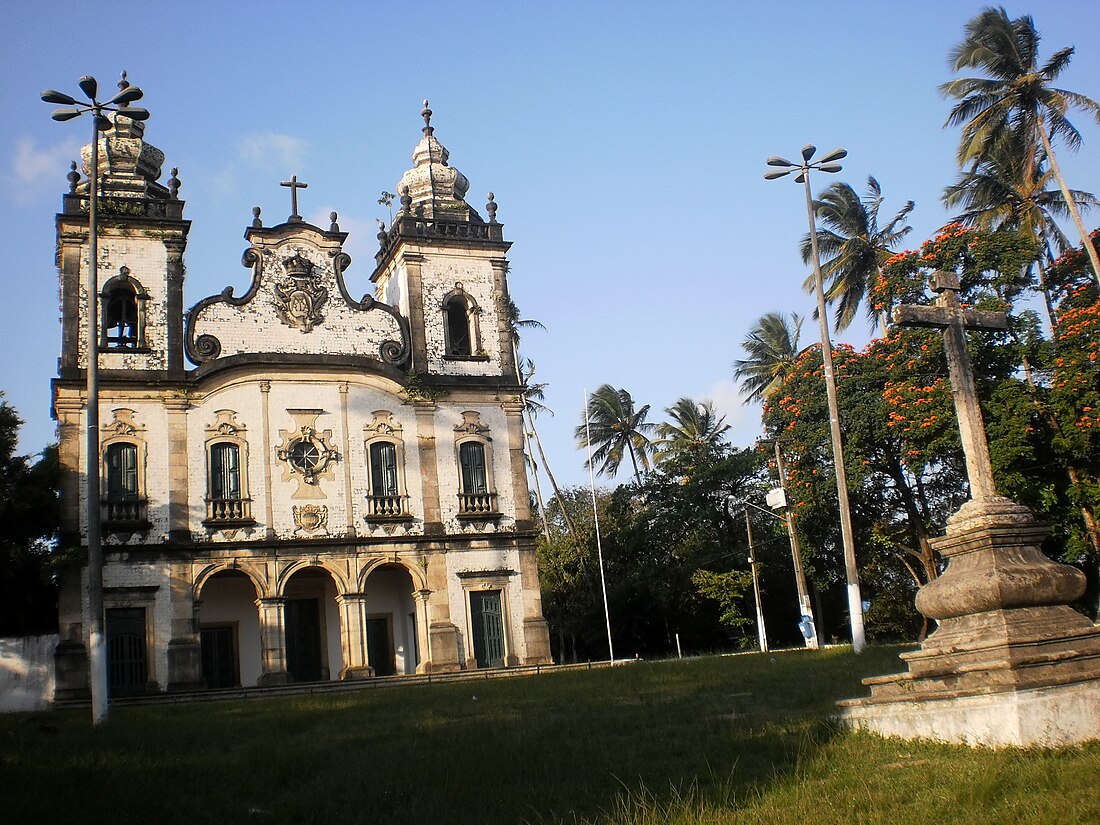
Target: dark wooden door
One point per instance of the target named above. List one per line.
(127, 666)
(488, 628)
(303, 639)
(380, 645)
(219, 657)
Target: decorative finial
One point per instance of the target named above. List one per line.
(73, 177)
(174, 184)
(406, 200)
(334, 226)
(256, 222)
(382, 236)
(426, 113)
(123, 83)
(491, 208)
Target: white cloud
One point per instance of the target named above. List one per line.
(744, 419)
(36, 169)
(272, 150)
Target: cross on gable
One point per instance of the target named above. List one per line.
(949, 315)
(294, 185)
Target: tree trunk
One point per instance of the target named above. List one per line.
(1090, 249)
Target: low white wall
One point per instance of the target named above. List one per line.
(26, 673)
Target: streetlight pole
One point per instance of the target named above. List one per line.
(828, 164)
(72, 108)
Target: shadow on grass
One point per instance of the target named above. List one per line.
(561, 747)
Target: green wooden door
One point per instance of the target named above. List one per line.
(488, 628)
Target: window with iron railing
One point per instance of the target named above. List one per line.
(227, 502)
(385, 500)
(123, 505)
(474, 497)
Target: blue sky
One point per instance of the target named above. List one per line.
(625, 144)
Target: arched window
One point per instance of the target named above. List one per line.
(459, 340)
(123, 502)
(386, 500)
(123, 313)
(122, 472)
(227, 501)
(471, 456)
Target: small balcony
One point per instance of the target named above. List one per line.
(387, 508)
(228, 512)
(477, 506)
(122, 515)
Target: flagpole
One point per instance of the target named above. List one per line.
(596, 520)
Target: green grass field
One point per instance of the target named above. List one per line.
(741, 739)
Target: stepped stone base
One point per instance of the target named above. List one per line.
(1011, 663)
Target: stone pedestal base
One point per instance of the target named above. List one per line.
(1046, 717)
(1011, 663)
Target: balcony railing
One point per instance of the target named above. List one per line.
(477, 505)
(124, 513)
(224, 511)
(387, 508)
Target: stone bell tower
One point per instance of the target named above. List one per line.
(138, 279)
(444, 267)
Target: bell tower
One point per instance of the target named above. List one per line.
(444, 267)
(138, 279)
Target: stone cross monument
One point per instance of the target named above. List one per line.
(1010, 663)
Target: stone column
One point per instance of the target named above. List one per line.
(179, 528)
(272, 642)
(536, 632)
(513, 412)
(443, 636)
(423, 637)
(418, 345)
(345, 448)
(184, 648)
(429, 470)
(269, 513)
(352, 615)
(174, 305)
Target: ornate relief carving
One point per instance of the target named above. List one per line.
(471, 425)
(306, 453)
(123, 423)
(300, 297)
(311, 517)
(383, 425)
(225, 424)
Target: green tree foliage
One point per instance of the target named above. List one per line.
(853, 247)
(1015, 104)
(29, 516)
(617, 430)
(771, 348)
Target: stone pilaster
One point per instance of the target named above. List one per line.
(354, 636)
(272, 642)
(536, 632)
(429, 469)
(184, 649)
(174, 306)
(179, 528)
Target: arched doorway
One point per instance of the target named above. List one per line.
(390, 621)
(311, 622)
(229, 631)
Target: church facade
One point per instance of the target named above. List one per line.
(298, 484)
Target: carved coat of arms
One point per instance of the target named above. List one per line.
(299, 298)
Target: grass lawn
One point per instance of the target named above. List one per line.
(741, 739)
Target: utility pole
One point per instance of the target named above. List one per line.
(760, 632)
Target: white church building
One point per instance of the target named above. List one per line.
(298, 484)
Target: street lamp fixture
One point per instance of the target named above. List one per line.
(74, 108)
(801, 171)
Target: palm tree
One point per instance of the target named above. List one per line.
(1017, 96)
(771, 347)
(853, 247)
(997, 194)
(617, 429)
(695, 428)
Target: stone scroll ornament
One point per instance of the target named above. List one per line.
(299, 298)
